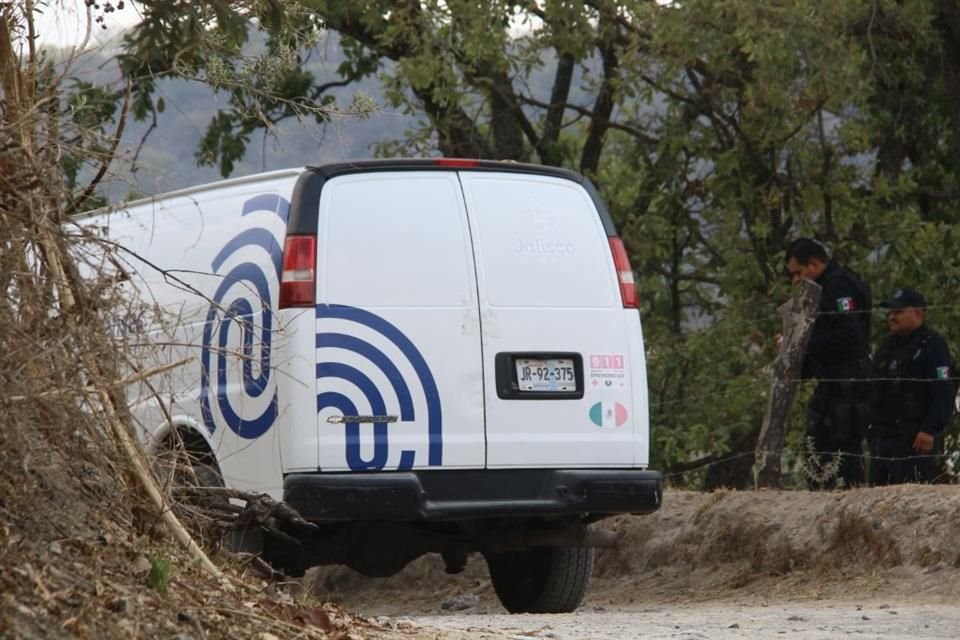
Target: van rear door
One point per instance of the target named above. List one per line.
(399, 382)
(558, 385)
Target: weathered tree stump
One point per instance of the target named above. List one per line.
(797, 315)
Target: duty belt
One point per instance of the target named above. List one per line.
(900, 426)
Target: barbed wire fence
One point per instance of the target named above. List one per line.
(690, 471)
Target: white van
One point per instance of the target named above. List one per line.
(417, 355)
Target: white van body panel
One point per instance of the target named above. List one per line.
(639, 391)
(397, 324)
(209, 259)
(423, 278)
(297, 391)
(547, 284)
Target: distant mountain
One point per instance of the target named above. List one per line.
(166, 159)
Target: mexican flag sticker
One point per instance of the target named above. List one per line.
(943, 373)
(846, 304)
(608, 414)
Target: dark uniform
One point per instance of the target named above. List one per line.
(838, 355)
(914, 394)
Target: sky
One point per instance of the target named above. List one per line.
(63, 23)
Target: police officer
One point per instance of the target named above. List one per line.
(914, 397)
(838, 356)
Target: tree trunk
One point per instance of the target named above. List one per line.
(548, 147)
(798, 315)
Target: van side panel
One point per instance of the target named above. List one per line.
(397, 334)
(218, 251)
(297, 390)
(639, 391)
(548, 286)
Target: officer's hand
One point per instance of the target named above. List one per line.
(923, 442)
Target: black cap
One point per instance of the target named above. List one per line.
(903, 298)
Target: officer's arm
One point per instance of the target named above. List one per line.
(937, 370)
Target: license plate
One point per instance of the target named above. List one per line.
(554, 374)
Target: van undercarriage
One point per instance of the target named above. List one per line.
(527, 523)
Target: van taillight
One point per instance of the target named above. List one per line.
(628, 290)
(298, 281)
(456, 163)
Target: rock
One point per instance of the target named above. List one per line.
(184, 616)
(140, 566)
(264, 635)
(119, 605)
(291, 589)
(127, 625)
(461, 602)
(55, 548)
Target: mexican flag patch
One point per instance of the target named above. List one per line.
(943, 373)
(608, 414)
(846, 304)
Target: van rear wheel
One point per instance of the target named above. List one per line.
(179, 468)
(542, 579)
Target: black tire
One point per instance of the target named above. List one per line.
(187, 470)
(541, 580)
(234, 540)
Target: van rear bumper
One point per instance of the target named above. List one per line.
(472, 493)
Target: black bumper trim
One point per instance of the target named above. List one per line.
(472, 493)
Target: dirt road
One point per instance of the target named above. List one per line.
(896, 604)
(718, 621)
(871, 563)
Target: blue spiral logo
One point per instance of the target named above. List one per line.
(242, 289)
(373, 396)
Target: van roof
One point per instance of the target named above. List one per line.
(312, 178)
(442, 164)
(309, 186)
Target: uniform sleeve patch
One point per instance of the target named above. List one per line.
(846, 304)
(943, 373)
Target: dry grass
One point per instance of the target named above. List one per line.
(85, 538)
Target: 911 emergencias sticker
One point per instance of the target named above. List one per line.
(607, 371)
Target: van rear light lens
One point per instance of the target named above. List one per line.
(628, 289)
(298, 281)
(456, 163)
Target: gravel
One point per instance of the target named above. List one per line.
(715, 621)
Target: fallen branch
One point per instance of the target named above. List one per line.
(146, 478)
(137, 377)
(260, 510)
(260, 566)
